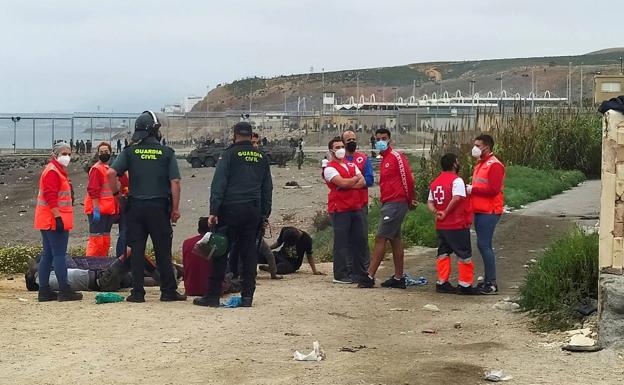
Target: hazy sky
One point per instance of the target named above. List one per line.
(72, 55)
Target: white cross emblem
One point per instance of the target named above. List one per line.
(438, 195)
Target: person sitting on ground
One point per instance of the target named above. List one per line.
(294, 244)
(198, 270)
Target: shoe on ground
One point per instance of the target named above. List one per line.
(345, 281)
(468, 290)
(68, 294)
(445, 288)
(206, 301)
(171, 297)
(366, 283)
(135, 297)
(489, 288)
(246, 301)
(394, 283)
(46, 295)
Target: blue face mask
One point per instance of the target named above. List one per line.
(381, 145)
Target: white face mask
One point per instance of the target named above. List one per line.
(476, 152)
(64, 160)
(340, 154)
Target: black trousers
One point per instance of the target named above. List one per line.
(150, 217)
(241, 224)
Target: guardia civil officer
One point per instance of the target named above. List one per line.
(240, 203)
(153, 203)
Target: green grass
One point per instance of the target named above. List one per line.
(566, 273)
(524, 185)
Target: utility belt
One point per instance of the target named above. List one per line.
(158, 202)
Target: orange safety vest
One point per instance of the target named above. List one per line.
(108, 204)
(44, 219)
(480, 179)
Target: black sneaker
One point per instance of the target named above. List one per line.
(489, 288)
(135, 297)
(467, 290)
(394, 283)
(207, 301)
(446, 288)
(46, 295)
(69, 294)
(170, 297)
(366, 282)
(246, 301)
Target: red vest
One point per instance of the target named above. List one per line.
(342, 200)
(359, 159)
(480, 178)
(44, 219)
(442, 191)
(107, 202)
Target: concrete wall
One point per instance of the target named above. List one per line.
(611, 282)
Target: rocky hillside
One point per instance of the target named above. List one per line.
(550, 74)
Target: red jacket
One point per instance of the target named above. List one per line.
(197, 270)
(442, 192)
(343, 200)
(396, 181)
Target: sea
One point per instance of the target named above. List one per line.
(40, 131)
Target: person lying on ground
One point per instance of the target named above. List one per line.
(96, 274)
(294, 245)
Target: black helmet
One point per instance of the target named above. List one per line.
(145, 125)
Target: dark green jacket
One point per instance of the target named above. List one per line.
(242, 176)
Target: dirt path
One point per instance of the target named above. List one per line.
(163, 343)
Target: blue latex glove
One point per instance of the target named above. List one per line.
(233, 301)
(96, 214)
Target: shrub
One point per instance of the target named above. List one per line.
(322, 245)
(14, 259)
(320, 220)
(565, 274)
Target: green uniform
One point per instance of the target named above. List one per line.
(242, 176)
(151, 166)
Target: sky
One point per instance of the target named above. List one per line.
(131, 55)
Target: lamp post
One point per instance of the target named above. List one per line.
(15, 119)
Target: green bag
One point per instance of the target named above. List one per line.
(212, 245)
(108, 298)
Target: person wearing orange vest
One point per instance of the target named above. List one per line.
(486, 199)
(366, 168)
(100, 205)
(54, 217)
(344, 205)
(448, 202)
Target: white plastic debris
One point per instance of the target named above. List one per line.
(581, 340)
(497, 375)
(315, 355)
(172, 341)
(22, 299)
(507, 306)
(431, 307)
(585, 332)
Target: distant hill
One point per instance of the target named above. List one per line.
(550, 74)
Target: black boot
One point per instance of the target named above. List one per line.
(68, 294)
(136, 297)
(46, 294)
(170, 297)
(206, 301)
(246, 301)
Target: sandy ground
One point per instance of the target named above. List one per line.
(178, 343)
